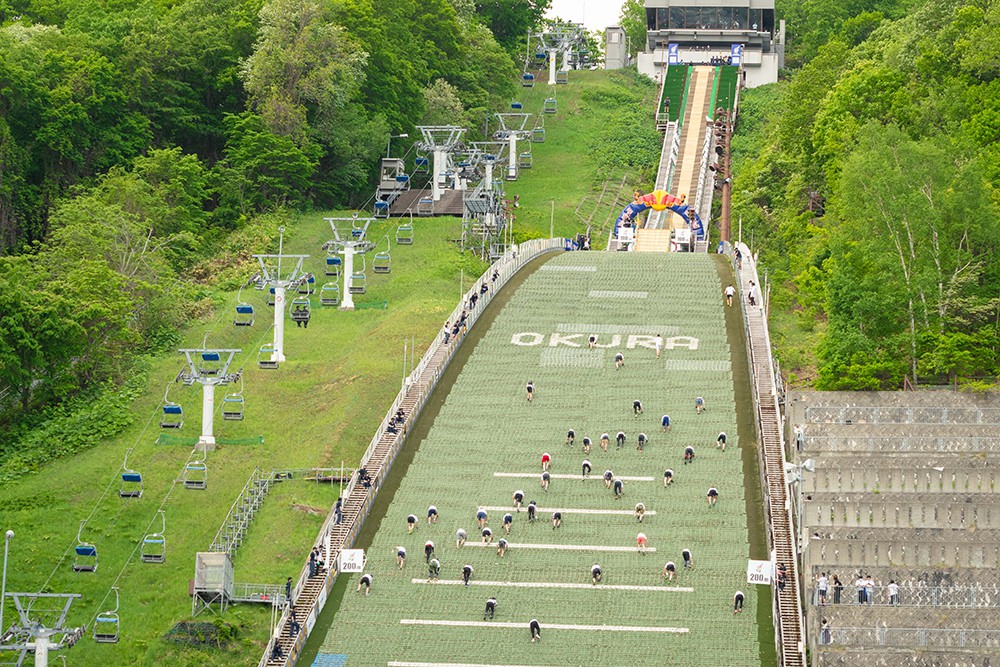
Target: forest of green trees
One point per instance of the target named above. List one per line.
(868, 180)
(147, 145)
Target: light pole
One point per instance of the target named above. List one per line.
(3, 584)
(391, 137)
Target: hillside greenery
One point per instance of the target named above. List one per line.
(868, 182)
(147, 147)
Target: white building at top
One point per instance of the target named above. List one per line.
(694, 32)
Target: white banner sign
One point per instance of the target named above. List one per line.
(759, 572)
(351, 560)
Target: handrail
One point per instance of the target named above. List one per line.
(778, 511)
(503, 268)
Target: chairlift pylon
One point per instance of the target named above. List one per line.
(154, 545)
(85, 559)
(131, 484)
(107, 624)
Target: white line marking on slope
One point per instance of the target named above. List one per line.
(539, 476)
(567, 510)
(554, 584)
(546, 626)
(561, 547)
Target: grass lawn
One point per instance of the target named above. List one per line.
(319, 409)
(487, 427)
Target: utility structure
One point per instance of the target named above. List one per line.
(485, 215)
(723, 170)
(273, 276)
(209, 367)
(513, 128)
(40, 626)
(559, 39)
(441, 141)
(354, 242)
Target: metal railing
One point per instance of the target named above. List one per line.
(777, 507)
(263, 593)
(912, 638)
(967, 597)
(236, 524)
(417, 386)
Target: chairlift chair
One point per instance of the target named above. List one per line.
(233, 403)
(300, 310)
(131, 484)
(85, 559)
(528, 80)
(307, 285)
(195, 475)
(173, 415)
(270, 296)
(562, 76)
(540, 56)
(404, 233)
(383, 261)
(329, 294)
(538, 135)
(244, 312)
(421, 165)
(551, 105)
(211, 363)
(244, 315)
(154, 545)
(516, 106)
(524, 160)
(333, 266)
(357, 282)
(265, 356)
(107, 624)
(381, 209)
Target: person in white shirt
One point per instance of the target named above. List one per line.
(658, 342)
(730, 293)
(893, 593)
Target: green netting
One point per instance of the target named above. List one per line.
(728, 82)
(255, 440)
(677, 76)
(487, 426)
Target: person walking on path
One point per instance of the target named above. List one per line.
(491, 607)
(688, 455)
(570, 437)
(518, 499)
(620, 440)
(637, 408)
(688, 560)
(466, 574)
(668, 477)
(401, 557)
(586, 468)
(822, 586)
(432, 515)
(546, 477)
(838, 589)
(669, 570)
(738, 602)
(508, 520)
(619, 360)
(586, 445)
(502, 547)
(720, 442)
(730, 293)
(641, 444)
(532, 509)
(595, 574)
(658, 344)
(411, 523)
(536, 630)
(433, 569)
(640, 543)
(546, 461)
(665, 423)
(712, 495)
(640, 511)
(428, 551)
(618, 488)
(556, 520)
(605, 441)
(481, 517)
(366, 581)
(530, 388)
(288, 591)
(699, 404)
(460, 537)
